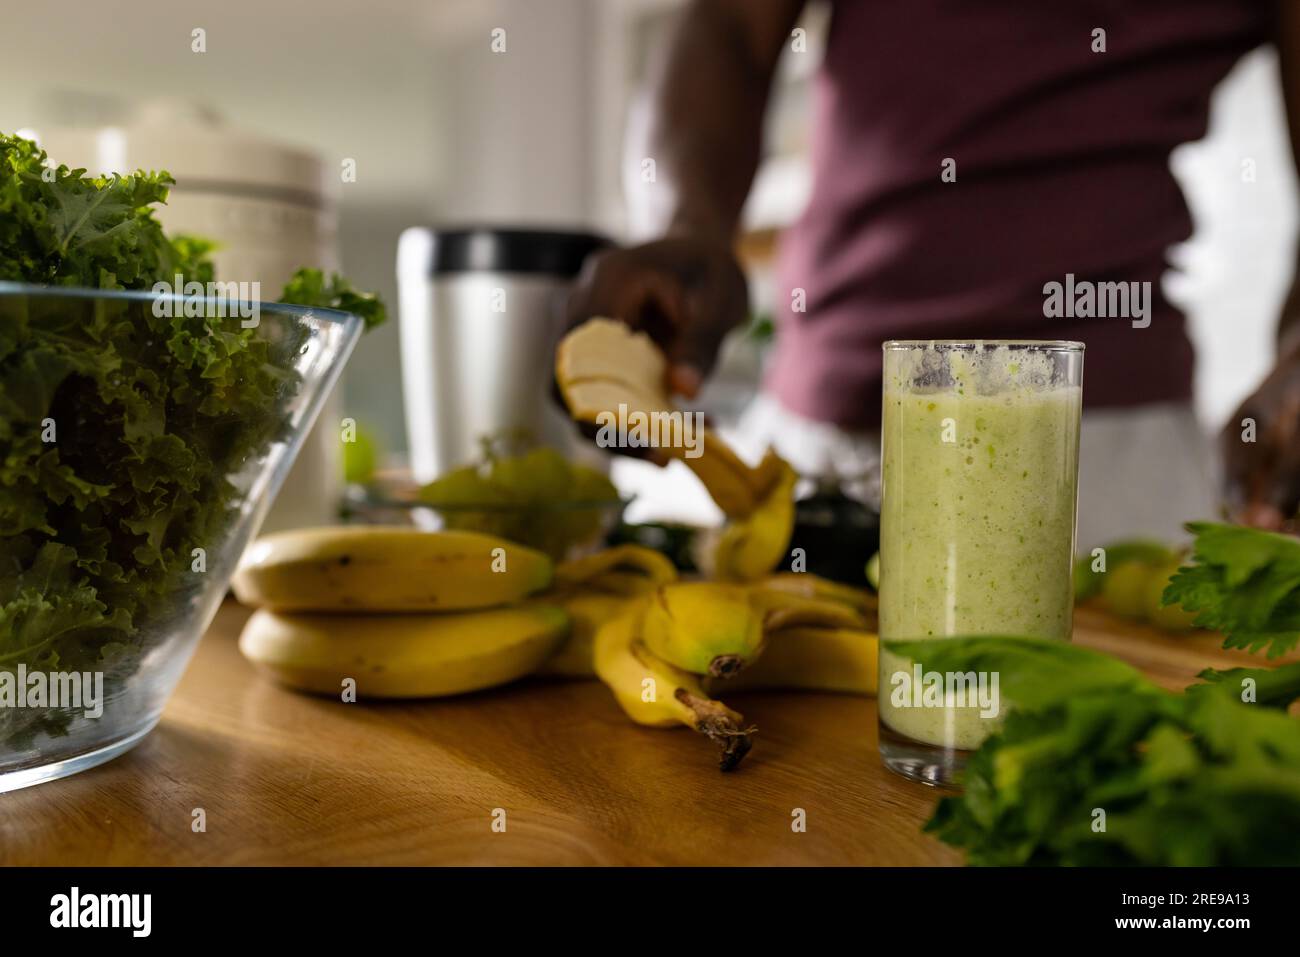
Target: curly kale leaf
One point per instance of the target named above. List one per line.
(310, 287)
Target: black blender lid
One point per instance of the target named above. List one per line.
(550, 252)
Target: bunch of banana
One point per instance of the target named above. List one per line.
(665, 655)
(404, 613)
(408, 613)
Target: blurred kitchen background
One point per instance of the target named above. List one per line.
(442, 129)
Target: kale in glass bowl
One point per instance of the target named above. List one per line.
(138, 455)
(146, 420)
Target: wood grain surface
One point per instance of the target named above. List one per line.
(289, 779)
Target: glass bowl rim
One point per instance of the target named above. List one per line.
(8, 288)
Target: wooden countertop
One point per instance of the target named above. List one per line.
(289, 779)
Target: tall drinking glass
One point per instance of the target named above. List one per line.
(979, 484)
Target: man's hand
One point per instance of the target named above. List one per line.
(708, 96)
(686, 293)
(1262, 477)
(1261, 442)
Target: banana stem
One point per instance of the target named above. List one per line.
(724, 666)
(714, 720)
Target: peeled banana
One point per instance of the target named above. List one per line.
(387, 569)
(603, 364)
(403, 656)
(654, 693)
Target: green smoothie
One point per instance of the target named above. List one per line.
(979, 468)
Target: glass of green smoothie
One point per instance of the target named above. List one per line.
(979, 483)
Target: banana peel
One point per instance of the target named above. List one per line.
(653, 567)
(750, 547)
(808, 585)
(588, 610)
(836, 660)
(782, 611)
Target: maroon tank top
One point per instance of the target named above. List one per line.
(1061, 161)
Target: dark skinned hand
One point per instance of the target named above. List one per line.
(685, 293)
(1262, 478)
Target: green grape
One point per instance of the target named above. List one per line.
(1138, 550)
(553, 476)
(1124, 589)
(462, 486)
(535, 488)
(873, 571)
(360, 457)
(1165, 617)
(541, 476)
(588, 485)
(1089, 583)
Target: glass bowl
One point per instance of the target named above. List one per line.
(142, 440)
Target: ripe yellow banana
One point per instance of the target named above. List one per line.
(654, 693)
(403, 656)
(588, 610)
(388, 569)
(811, 659)
(706, 628)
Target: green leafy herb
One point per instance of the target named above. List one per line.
(1202, 778)
(1245, 583)
(310, 287)
(1032, 672)
(61, 227)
